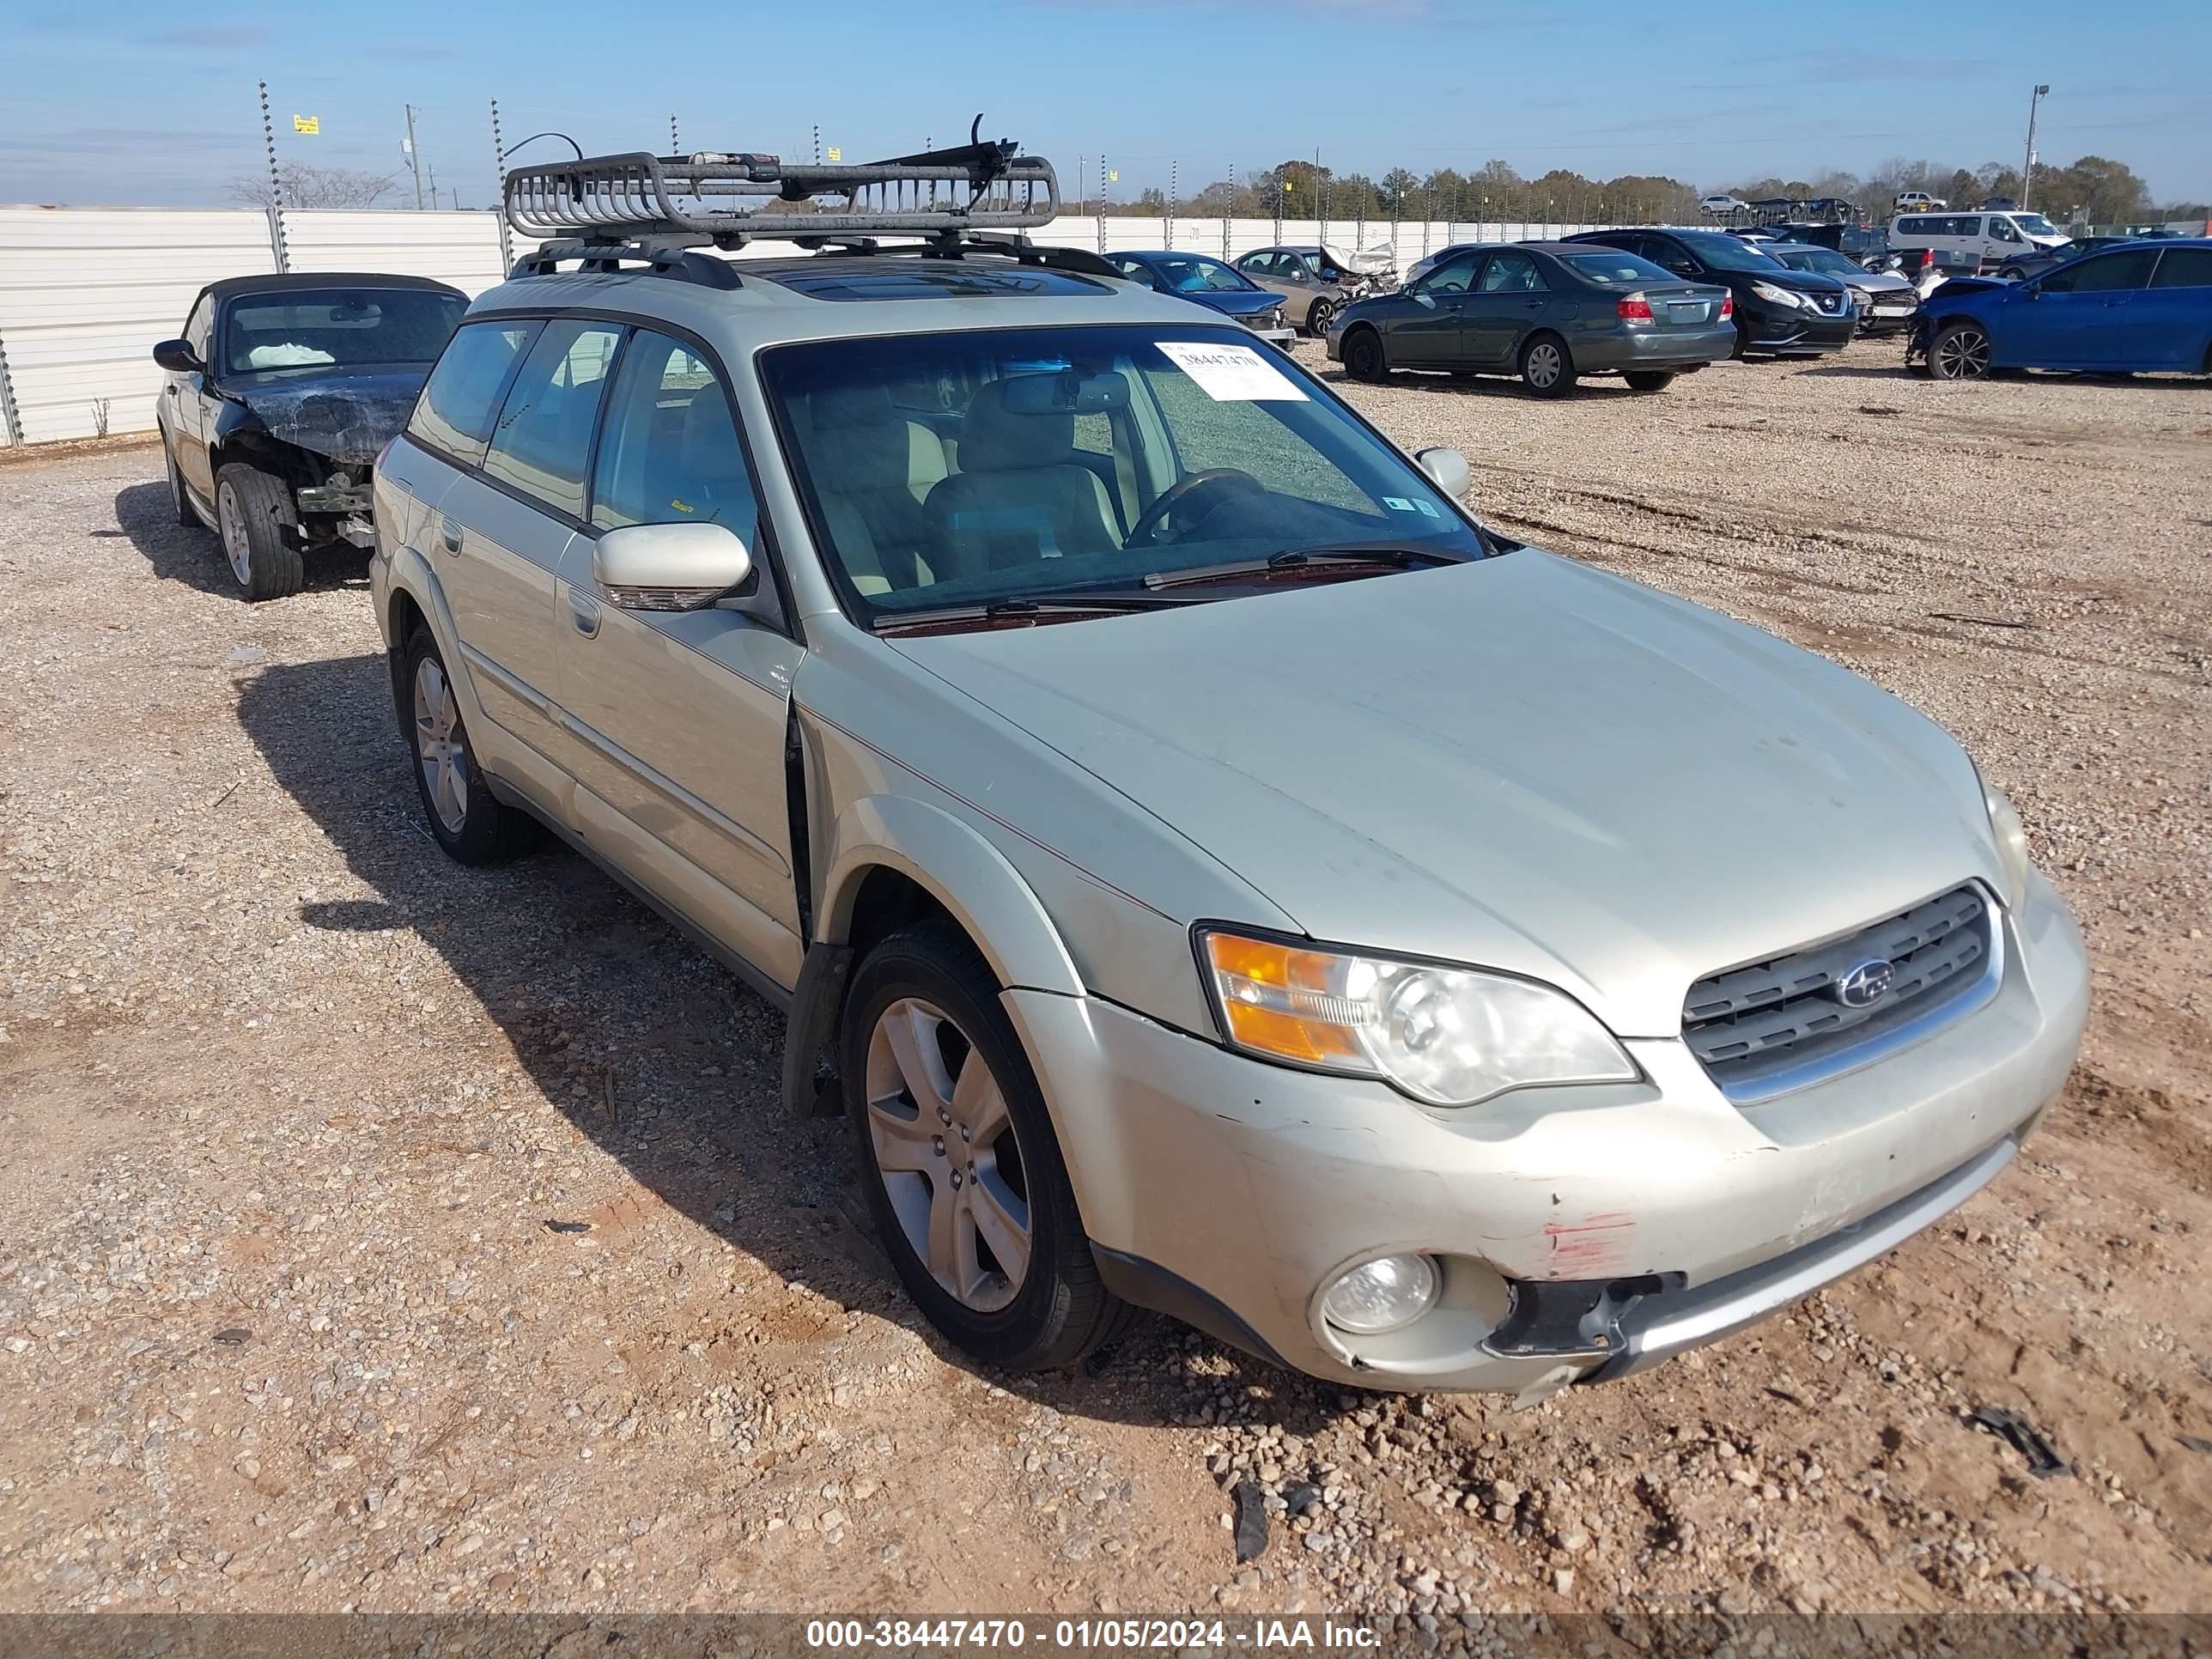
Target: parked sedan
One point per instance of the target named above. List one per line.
(1549, 312)
(1887, 301)
(2145, 306)
(1210, 283)
(1779, 312)
(1315, 283)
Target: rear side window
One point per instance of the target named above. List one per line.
(671, 452)
(2108, 273)
(1912, 226)
(1513, 273)
(2184, 267)
(455, 412)
(543, 443)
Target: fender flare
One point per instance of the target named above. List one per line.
(950, 860)
(411, 574)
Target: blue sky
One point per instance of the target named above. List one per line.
(133, 103)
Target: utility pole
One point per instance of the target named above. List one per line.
(499, 199)
(1321, 198)
(434, 188)
(414, 158)
(2027, 166)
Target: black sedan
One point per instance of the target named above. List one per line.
(1779, 312)
(1549, 312)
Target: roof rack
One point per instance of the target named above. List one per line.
(724, 199)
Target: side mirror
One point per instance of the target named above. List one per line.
(1447, 470)
(1421, 296)
(668, 567)
(177, 358)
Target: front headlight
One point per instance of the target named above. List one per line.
(1776, 296)
(2012, 846)
(1451, 1037)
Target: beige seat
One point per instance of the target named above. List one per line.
(862, 454)
(1019, 496)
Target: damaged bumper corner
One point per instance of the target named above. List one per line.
(1596, 1229)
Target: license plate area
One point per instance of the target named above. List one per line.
(1686, 311)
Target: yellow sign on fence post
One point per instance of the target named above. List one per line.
(835, 154)
(310, 125)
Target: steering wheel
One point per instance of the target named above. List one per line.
(1145, 532)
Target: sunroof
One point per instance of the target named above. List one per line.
(948, 279)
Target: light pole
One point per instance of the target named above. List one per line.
(2028, 166)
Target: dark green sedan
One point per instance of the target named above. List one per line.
(1549, 312)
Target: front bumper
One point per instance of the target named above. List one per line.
(1232, 1192)
(1281, 338)
(1771, 328)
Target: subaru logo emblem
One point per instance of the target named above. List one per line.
(1865, 984)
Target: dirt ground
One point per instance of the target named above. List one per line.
(381, 1234)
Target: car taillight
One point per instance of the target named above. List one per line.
(1635, 309)
(1728, 304)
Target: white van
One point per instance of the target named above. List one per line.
(1981, 239)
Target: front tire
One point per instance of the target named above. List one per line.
(1317, 316)
(1648, 379)
(1546, 369)
(1363, 356)
(472, 826)
(1959, 351)
(249, 511)
(964, 1174)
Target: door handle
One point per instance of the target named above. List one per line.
(1535, 305)
(450, 533)
(584, 612)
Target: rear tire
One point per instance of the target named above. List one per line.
(2012, 273)
(1363, 356)
(953, 1162)
(1648, 379)
(1959, 351)
(179, 503)
(472, 826)
(251, 511)
(1317, 316)
(1546, 369)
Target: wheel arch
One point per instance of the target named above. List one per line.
(414, 597)
(893, 856)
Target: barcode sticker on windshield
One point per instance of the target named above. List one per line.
(1232, 374)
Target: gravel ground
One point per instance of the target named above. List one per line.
(385, 1236)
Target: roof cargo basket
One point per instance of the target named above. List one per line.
(724, 199)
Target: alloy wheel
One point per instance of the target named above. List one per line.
(945, 1147)
(231, 524)
(1962, 353)
(438, 746)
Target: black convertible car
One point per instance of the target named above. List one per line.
(275, 401)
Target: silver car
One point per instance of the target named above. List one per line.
(1222, 877)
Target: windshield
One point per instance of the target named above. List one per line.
(342, 328)
(1190, 273)
(1060, 465)
(2036, 225)
(1818, 258)
(1726, 253)
(1616, 270)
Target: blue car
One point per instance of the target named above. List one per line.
(1210, 283)
(2142, 307)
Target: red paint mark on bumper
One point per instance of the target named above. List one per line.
(1591, 1247)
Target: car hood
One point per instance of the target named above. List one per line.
(1519, 762)
(1803, 282)
(346, 414)
(1233, 304)
(1880, 281)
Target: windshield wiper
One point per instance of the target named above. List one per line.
(1076, 604)
(1294, 559)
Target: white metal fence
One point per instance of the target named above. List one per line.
(86, 292)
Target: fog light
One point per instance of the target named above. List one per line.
(1384, 1295)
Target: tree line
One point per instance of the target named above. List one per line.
(2093, 190)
